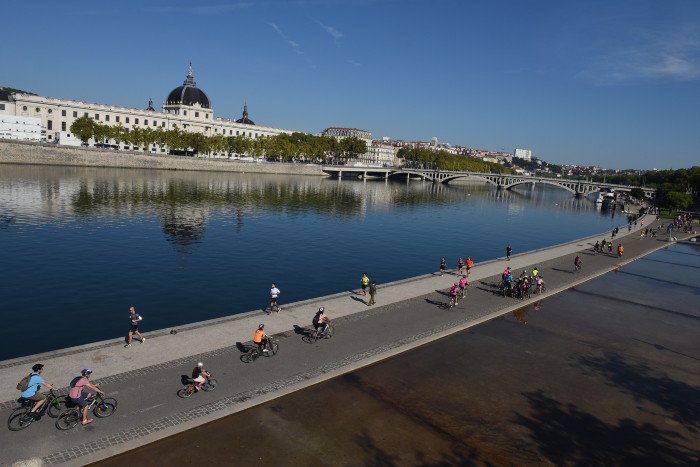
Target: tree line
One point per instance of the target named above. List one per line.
(282, 147)
(443, 160)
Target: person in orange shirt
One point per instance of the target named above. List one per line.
(260, 338)
(470, 264)
(620, 250)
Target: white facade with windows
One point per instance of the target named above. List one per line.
(20, 128)
(187, 107)
(525, 154)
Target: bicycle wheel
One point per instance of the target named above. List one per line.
(274, 347)
(19, 419)
(330, 330)
(308, 338)
(67, 420)
(250, 356)
(56, 406)
(185, 392)
(104, 409)
(209, 385)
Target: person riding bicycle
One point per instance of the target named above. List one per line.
(454, 293)
(540, 284)
(535, 272)
(320, 320)
(199, 375)
(260, 338)
(463, 283)
(32, 392)
(78, 397)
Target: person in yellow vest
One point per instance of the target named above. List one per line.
(365, 282)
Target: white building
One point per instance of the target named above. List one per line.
(21, 128)
(187, 107)
(523, 154)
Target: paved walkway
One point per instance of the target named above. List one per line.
(145, 377)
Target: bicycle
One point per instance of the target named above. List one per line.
(191, 387)
(323, 333)
(453, 302)
(101, 406)
(21, 417)
(270, 349)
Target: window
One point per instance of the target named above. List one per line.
(63, 113)
(127, 119)
(236, 132)
(116, 119)
(162, 124)
(75, 114)
(206, 115)
(2, 106)
(85, 115)
(24, 107)
(196, 114)
(49, 125)
(230, 132)
(63, 126)
(136, 121)
(97, 116)
(145, 122)
(184, 112)
(50, 111)
(155, 123)
(106, 118)
(37, 109)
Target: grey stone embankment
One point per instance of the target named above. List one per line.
(17, 152)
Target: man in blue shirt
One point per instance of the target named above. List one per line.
(32, 392)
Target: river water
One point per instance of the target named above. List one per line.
(81, 245)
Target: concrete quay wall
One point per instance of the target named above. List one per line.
(18, 152)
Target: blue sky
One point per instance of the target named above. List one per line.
(614, 83)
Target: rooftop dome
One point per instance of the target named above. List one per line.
(188, 93)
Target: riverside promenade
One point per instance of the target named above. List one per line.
(145, 378)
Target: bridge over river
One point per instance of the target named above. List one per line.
(578, 187)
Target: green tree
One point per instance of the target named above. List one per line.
(677, 200)
(83, 128)
(638, 193)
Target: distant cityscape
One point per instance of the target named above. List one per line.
(29, 117)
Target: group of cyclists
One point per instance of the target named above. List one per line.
(600, 246)
(523, 285)
(31, 384)
(76, 394)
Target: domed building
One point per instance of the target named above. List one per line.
(187, 107)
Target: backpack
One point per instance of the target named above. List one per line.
(23, 384)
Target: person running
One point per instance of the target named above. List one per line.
(460, 266)
(364, 282)
(463, 285)
(620, 250)
(372, 292)
(578, 262)
(508, 250)
(470, 264)
(32, 392)
(320, 320)
(78, 397)
(260, 339)
(199, 375)
(274, 293)
(135, 320)
(596, 247)
(610, 247)
(443, 265)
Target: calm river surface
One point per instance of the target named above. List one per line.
(81, 245)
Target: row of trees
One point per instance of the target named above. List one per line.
(443, 160)
(283, 147)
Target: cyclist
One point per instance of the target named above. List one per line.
(578, 262)
(320, 320)
(32, 392)
(454, 293)
(260, 338)
(620, 250)
(540, 284)
(77, 396)
(535, 272)
(462, 285)
(199, 375)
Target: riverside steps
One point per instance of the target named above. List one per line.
(145, 378)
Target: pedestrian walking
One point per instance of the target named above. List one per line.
(372, 292)
(578, 262)
(135, 319)
(274, 293)
(364, 281)
(460, 265)
(508, 250)
(443, 265)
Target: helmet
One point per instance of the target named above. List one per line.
(260, 326)
(86, 372)
(321, 310)
(200, 364)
